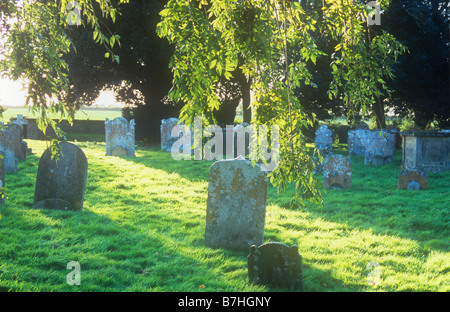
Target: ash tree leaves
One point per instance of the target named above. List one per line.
(272, 41)
(34, 43)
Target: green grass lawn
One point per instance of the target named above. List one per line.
(142, 229)
(82, 114)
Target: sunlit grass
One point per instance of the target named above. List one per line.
(142, 229)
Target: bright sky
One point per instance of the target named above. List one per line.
(12, 95)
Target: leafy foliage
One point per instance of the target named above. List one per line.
(273, 42)
(34, 42)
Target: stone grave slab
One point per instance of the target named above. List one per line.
(120, 133)
(236, 205)
(276, 265)
(61, 184)
(337, 172)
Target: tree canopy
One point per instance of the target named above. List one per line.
(34, 41)
(274, 42)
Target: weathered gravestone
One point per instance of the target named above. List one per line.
(426, 150)
(410, 179)
(362, 126)
(276, 265)
(236, 206)
(380, 148)
(337, 172)
(166, 133)
(120, 137)
(172, 132)
(61, 184)
(324, 140)
(358, 141)
(7, 146)
(20, 147)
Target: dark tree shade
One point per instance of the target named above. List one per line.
(422, 76)
(142, 78)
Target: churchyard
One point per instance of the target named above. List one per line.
(147, 224)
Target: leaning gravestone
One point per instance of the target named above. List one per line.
(410, 179)
(120, 137)
(236, 206)
(337, 172)
(61, 184)
(7, 146)
(20, 147)
(276, 265)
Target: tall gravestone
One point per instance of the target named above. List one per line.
(236, 206)
(276, 265)
(7, 146)
(337, 172)
(20, 147)
(119, 137)
(324, 140)
(166, 133)
(60, 184)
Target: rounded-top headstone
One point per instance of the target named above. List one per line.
(236, 205)
(61, 183)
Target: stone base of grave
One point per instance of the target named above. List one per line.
(412, 180)
(377, 160)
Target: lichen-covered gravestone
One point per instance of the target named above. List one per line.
(7, 146)
(379, 148)
(166, 133)
(324, 140)
(120, 137)
(61, 184)
(410, 179)
(236, 206)
(20, 147)
(337, 172)
(276, 265)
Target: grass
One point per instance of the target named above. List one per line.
(142, 229)
(82, 114)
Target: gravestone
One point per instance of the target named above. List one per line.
(20, 147)
(61, 184)
(236, 206)
(276, 265)
(166, 133)
(357, 141)
(7, 146)
(120, 137)
(337, 172)
(2, 178)
(410, 179)
(362, 126)
(324, 143)
(324, 140)
(379, 148)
